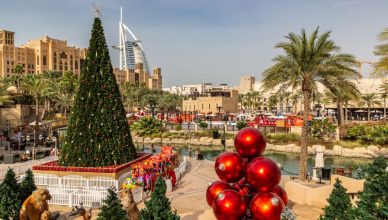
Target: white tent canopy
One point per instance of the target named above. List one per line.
(34, 122)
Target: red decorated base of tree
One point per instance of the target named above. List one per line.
(249, 188)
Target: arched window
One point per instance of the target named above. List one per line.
(37, 60)
(65, 65)
(76, 64)
(137, 78)
(60, 65)
(44, 60)
(71, 62)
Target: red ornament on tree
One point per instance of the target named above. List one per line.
(229, 205)
(229, 167)
(249, 142)
(214, 189)
(279, 191)
(263, 174)
(266, 206)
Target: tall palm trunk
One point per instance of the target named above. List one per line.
(346, 112)
(341, 119)
(368, 113)
(304, 138)
(65, 113)
(36, 122)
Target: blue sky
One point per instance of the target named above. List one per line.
(196, 41)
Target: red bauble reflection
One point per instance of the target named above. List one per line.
(266, 206)
(263, 174)
(279, 191)
(249, 142)
(229, 167)
(214, 189)
(229, 205)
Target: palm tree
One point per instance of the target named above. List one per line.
(4, 97)
(384, 95)
(308, 60)
(18, 70)
(381, 67)
(63, 101)
(34, 85)
(369, 100)
(341, 95)
(51, 78)
(294, 101)
(147, 126)
(272, 102)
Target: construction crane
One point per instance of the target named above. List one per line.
(360, 62)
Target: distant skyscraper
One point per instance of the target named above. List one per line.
(131, 50)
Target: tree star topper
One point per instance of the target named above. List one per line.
(97, 10)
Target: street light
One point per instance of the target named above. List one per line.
(318, 108)
(152, 104)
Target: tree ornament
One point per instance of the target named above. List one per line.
(279, 191)
(262, 174)
(266, 206)
(214, 189)
(229, 205)
(229, 167)
(249, 142)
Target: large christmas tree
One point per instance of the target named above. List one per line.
(98, 133)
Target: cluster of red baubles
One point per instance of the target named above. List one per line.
(248, 186)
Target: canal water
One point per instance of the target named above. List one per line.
(288, 161)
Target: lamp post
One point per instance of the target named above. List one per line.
(152, 104)
(8, 135)
(318, 108)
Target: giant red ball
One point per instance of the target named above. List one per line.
(279, 191)
(229, 167)
(263, 174)
(266, 206)
(249, 142)
(229, 205)
(214, 189)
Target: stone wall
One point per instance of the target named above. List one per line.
(369, 152)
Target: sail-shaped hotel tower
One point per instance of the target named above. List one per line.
(131, 50)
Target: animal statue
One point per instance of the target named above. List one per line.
(46, 215)
(80, 211)
(129, 204)
(35, 206)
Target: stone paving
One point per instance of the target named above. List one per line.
(189, 196)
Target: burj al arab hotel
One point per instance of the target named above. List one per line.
(131, 50)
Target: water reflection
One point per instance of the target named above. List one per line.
(289, 161)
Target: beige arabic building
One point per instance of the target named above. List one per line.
(140, 76)
(227, 99)
(37, 56)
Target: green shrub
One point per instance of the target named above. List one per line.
(322, 129)
(283, 138)
(368, 134)
(178, 127)
(203, 125)
(241, 124)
